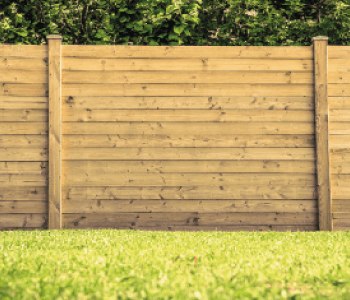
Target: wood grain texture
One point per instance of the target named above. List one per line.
(187, 219)
(190, 192)
(23, 207)
(189, 154)
(23, 220)
(12, 102)
(321, 128)
(192, 102)
(55, 139)
(23, 141)
(178, 206)
(176, 140)
(27, 193)
(182, 128)
(24, 115)
(24, 154)
(110, 51)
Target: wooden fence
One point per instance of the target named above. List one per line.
(175, 138)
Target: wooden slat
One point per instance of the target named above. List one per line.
(23, 141)
(23, 63)
(183, 140)
(24, 128)
(340, 179)
(23, 180)
(340, 206)
(55, 139)
(269, 53)
(179, 206)
(24, 115)
(340, 155)
(179, 89)
(23, 207)
(23, 154)
(189, 154)
(338, 52)
(341, 219)
(24, 90)
(339, 141)
(212, 103)
(22, 220)
(334, 73)
(188, 219)
(278, 228)
(23, 51)
(341, 228)
(339, 115)
(176, 128)
(23, 193)
(321, 130)
(23, 168)
(8, 102)
(340, 192)
(338, 89)
(339, 128)
(115, 168)
(112, 76)
(75, 115)
(340, 167)
(188, 179)
(23, 76)
(184, 64)
(339, 102)
(191, 192)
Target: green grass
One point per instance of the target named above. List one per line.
(126, 264)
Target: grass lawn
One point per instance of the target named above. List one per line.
(127, 264)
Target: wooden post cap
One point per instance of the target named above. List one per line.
(319, 38)
(54, 37)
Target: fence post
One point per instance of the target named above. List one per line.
(320, 45)
(55, 140)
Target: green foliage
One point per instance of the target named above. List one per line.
(175, 22)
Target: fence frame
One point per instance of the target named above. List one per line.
(320, 44)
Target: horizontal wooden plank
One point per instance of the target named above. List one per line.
(262, 52)
(335, 75)
(339, 115)
(114, 168)
(23, 180)
(277, 228)
(188, 219)
(9, 102)
(338, 89)
(337, 66)
(338, 167)
(23, 75)
(176, 89)
(23, 51)
(339, 103)
(172, 128)
(339, 155)
(179, 206)
(23, 207)
(24, 115)
(339, 127)
(339, 141)
(24, 141)
(24, 128)
(212, 103)
(24, 89)
(338, 52)
(38, 229)
(23, 168)
(184, 64)
(340, 179)
(159, 76)
(23, 193)
(188, 154)
(186, 179)
(339, 206)
(190, 192)
(23, 220)
(341, 228)
(183, 140)
(339, 192)
(89, 115)
(24, 154)
(340, 219)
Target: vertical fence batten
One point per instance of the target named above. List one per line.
(55, 138)
(320, 45)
